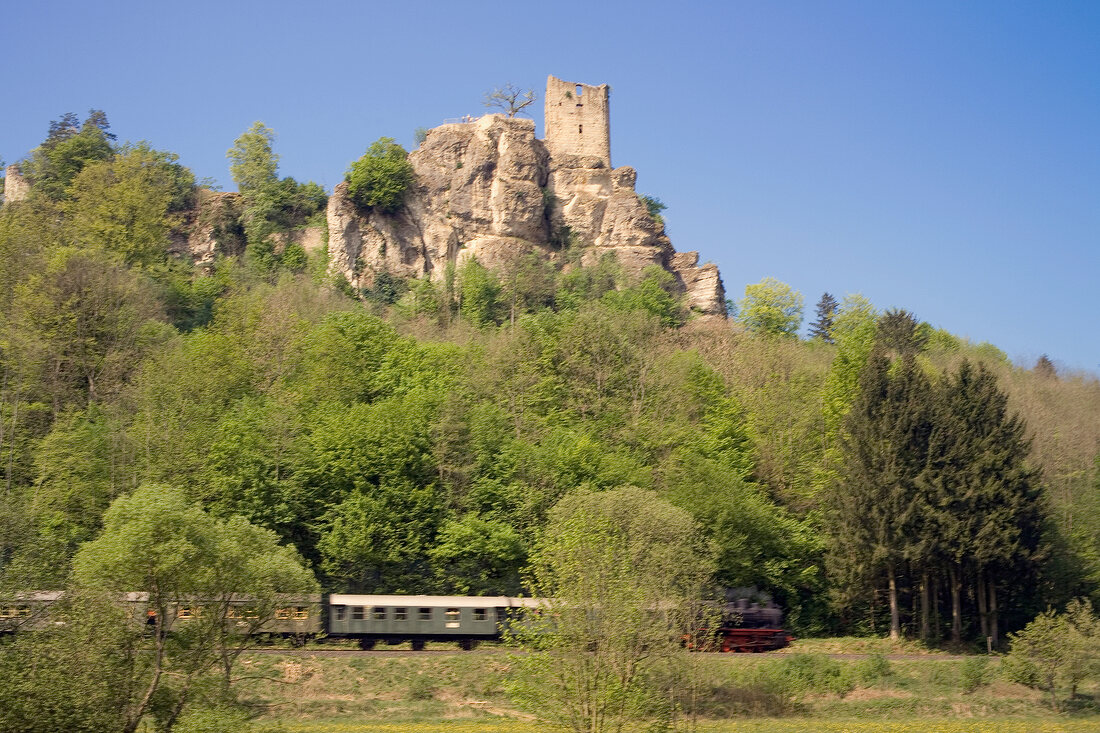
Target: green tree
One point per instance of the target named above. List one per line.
(885, 448)
(381, 177)
(156, 542)
(826, 309)
(77, 674)
(481, 293)
(622, 571)
(128, 205)
(271, 204)
(771, 308)
(476, 556)
(253, 159)
(68, 148)
(1056, 651)
(990, 507)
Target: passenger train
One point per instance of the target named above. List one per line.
(389, 619)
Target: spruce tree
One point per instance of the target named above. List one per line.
(875, 505)
(988, 499)
(822, 328)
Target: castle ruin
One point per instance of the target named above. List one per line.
(577, 120)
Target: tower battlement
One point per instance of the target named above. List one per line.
(577, 119)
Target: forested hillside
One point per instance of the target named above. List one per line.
(882, 475)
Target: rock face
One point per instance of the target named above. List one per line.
(16, 187)
(210, 229)
(488, 189)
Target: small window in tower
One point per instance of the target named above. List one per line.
(580, 90)
(580, 129)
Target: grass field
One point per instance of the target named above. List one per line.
(465, 693)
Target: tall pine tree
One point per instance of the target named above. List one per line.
(822, 328)
(988, 500)
(874, 506)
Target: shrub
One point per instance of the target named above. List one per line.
(872, 670)
(380, 178)
(973, 673)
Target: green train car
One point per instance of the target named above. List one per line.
(392, 619)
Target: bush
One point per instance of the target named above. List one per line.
(872, 670)
(814, 673)
(380, 178)
(973, 674)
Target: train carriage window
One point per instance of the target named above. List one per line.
(452, 615)
(283, 614)
(301, 613)
(379, 613)
(22, 611)
(356, 613)
(480, 614)
(425, 614)
(186, 612)
(341, 612)
(400, 614)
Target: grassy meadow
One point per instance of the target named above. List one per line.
(794, 691)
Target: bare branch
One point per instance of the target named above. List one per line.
(509, 98)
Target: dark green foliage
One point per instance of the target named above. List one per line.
(654, 206)
(898, 331)
(822, 328)
(68, 148)
(380, 178)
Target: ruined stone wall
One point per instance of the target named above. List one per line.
(578, 120)
(16, 187)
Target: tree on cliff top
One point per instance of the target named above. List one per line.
(509, 98)
(380, 178)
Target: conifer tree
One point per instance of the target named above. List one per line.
(874, 506)
(822, 328)
(990, 512)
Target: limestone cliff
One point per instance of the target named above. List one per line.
(489, 189)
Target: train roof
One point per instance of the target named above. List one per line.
(434, 601)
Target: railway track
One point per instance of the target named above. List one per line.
(490, 651)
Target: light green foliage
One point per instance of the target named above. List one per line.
(81, 324)
(127, 205)
(377, 539)
(157, 542)
(853, 332)
(623, 568)
(77, 674)
(653, 295)
(480, 294)
(476, 556)
(583, 284)
(974, 673)
(271, 204)
(771, 308)
(380, 178)
(253, 160)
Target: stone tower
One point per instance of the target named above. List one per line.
(577, 120)
(16, 187)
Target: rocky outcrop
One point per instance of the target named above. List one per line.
(489, 190)
(703, 289)
(16, 187)
(211, 228)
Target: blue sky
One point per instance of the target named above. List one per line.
(942, 157)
